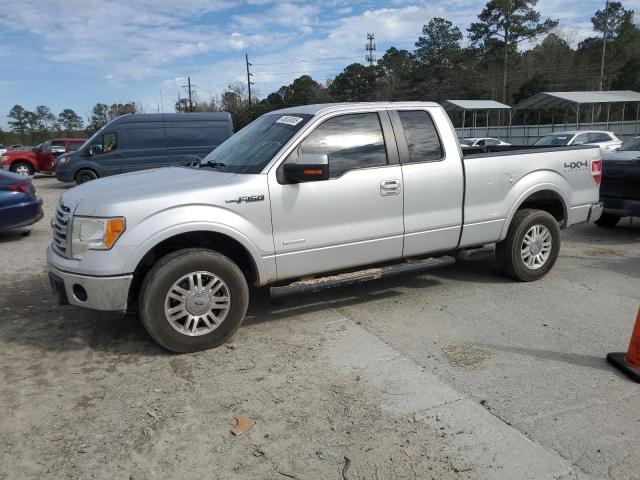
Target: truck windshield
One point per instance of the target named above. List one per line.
(249, 150)
(631, 146)
(556, 140)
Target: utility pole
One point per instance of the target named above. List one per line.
(188, 86)
(605, 34)
(249, 82)
(370, 47)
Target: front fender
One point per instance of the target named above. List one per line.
(257, 239)
(538, 181)
(28, 160)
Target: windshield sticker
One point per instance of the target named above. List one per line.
(289, 120)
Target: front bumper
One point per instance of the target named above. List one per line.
(98, 293)
(595, 212)
(64, 173)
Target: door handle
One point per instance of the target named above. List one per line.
(389, 187)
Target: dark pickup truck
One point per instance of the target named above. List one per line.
(620, 189)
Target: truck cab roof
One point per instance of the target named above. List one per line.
(321, 108)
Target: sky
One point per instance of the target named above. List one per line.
(75, 53)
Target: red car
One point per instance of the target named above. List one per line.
(40, 158)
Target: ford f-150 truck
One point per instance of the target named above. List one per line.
(40, 158)
(351, 191)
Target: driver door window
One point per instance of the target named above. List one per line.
(105, 144)
(350, 141)
(57, 147)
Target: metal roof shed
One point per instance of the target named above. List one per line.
(474, 106)
(581, 100)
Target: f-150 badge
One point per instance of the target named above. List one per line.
(247, 199)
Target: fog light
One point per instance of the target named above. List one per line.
(80, 293)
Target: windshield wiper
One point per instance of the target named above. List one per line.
(212, 164)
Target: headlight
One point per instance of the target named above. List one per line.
(90, 233)
(3, 158)
(63, 160)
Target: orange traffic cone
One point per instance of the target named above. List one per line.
(629, 363)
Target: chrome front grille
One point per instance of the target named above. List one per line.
(61, 225)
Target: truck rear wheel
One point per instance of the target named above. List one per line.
(608, 220)
(531, 247)
(22, 168)
(193, 299)
(85, 175)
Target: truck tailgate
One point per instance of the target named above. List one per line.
(621, 179)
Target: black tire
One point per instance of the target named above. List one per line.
(508, 252)
(22, 166)
(170, 269)
(85, 175)
(608, 220)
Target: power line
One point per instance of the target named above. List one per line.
(304, 61)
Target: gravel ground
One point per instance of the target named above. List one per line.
(88, 395)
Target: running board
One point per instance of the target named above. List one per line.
(352, 278)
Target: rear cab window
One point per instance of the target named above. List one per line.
(421, 135)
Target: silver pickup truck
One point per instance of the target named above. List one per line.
(350, 191)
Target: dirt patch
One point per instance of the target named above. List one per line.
(465, 356)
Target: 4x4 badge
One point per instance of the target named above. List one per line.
(250, 198)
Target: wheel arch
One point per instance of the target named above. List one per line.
(547, 197)
(232, 245)
(30, 161)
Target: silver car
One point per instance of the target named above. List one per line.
(607, 141)
(482, 142)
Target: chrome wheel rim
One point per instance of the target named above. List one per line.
(23, 170)
(536, 247)
(197, 303)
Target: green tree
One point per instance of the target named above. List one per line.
(356, 83)
(118, 109)
(70, 121)
(440, 43)
(629, 76)
(510, 22)
(536, 84)
(99, 117)
(608, 22)
(46, 119)
(18, 119)
(304, 90)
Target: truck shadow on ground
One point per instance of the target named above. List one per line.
(577, 359)
(627, 232)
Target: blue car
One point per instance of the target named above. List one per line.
(19, 205)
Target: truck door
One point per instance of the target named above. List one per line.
(433, 181)
(105, 154)
(354, 217)
(44, 157)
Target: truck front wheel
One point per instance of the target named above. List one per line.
(85, 175)
(193, 299)
(22, 168)
(531, 247)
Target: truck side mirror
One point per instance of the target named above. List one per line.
(310, 167)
